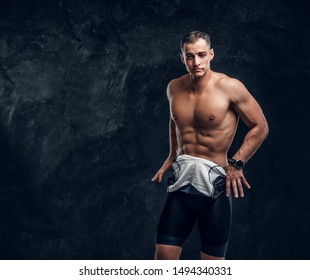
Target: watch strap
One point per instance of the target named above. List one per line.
(239, 164)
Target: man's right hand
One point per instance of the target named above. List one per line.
(159, 175)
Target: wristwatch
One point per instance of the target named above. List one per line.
(239, 164)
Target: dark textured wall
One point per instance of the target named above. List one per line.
(84, 123)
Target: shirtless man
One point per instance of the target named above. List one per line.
(205, 107)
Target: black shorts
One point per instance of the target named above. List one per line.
(180, 212)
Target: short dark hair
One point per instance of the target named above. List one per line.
(193, 36)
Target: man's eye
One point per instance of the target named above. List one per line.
(202, 55)
(189, 57)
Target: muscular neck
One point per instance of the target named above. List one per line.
(198, 83)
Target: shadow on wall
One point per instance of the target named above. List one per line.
(84, 123)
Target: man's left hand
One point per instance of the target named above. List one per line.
(235, 180)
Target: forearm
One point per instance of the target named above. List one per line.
(170, 158)
(172, 154)
(252, 141)
(172, 143)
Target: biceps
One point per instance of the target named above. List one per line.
(250, 112)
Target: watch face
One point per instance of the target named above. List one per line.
(239, 164)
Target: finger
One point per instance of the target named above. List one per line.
(154, 178)
(234, 187)
(240, 188)
(227, 186)
(160, 177)
(245, 182)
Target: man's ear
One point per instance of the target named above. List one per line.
(211, 54)
(182, 57)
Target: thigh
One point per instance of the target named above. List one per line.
(176, 219)
(214, 221)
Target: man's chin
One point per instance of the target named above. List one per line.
(198, 74)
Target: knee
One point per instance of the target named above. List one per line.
(205, 256)
(217, 252)
(167, 252)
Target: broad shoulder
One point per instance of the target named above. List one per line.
(176, 84)
(225, 82)
(235, 89)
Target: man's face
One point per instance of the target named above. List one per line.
(197, 57)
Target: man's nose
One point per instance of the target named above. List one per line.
(196, 61)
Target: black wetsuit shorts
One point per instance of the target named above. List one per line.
(180, 213)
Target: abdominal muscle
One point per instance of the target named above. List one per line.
(212, 147)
